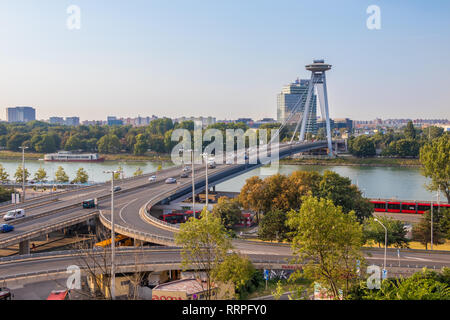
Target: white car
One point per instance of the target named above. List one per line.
(152, 179)
(171, 180)
(14, 214)
(186, 169)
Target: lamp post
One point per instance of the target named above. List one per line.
(193, 179)
(385, 241)
(205, 156)
(113, 242)
(23, 172)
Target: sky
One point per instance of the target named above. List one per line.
(226, 59)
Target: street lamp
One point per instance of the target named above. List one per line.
(193, 178)
(23, 172)
(113, 242)
(206, 157)
(385, 241)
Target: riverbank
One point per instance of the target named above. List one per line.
(353, 161)
(11, 155)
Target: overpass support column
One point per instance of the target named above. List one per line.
(24, 247)
(138, 243)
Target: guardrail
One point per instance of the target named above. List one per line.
(44, 230)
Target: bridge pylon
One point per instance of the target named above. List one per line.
(318, 81)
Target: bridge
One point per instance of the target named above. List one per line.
(132, 218)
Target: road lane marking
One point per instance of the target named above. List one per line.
(120, 213)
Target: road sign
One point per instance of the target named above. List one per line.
(266, 274)
(384, 275)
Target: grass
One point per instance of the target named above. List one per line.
(261, 291)
(353, 161)
(11, 155)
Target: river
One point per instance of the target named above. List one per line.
(374, 182)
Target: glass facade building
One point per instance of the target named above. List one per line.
(287, 100)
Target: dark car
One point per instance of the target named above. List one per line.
(184, 175)
(5, 228)
(117, 189)
(5, 294)
(88, 204)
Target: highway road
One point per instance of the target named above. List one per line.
(131, 219)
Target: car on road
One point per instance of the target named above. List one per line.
(14, 214)
(5, 228)
(212, 165)
(184, 175)
(88, 204)
(117, 189)
(171, 180)
(5, 294)
(152, 179)
(187, 169)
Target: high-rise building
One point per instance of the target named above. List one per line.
(21, 114)
(56, 120)
(72, 121)
(113, 121)
(287, 100)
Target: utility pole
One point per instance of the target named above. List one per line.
(113, 237)
(205, 156)
(23, 172)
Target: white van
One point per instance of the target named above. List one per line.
(14, 214)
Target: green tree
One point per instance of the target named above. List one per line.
(19, 174)
(228, 210)
(73, 143)
(424, 285)
(4, 176)
(422, 230)
(141, 146)
(5, 194)
(81, 176)
(362, 146)
(236, 269)
(109, 144)
(273, 226)
(204, 245)
(61, 176)
(343, 193)
(407, 148)
(328, 243)
(410, 131)
(40, 175)
(395, 229)
(435, 158)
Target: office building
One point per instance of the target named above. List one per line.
(72, 121)
(113, 121)
(21, 114)
(287, 100)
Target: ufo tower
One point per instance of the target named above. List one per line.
(319, 82)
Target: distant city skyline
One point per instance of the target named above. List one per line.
(223, 59)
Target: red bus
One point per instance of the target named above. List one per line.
(59, 295)
(177, 217)
(405, 206)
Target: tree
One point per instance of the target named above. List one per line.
(435, 158)
(424, 285)
(407, 148)
(410, 131)
(141, 146)
(273, 226)
(73, 143)
(40, 175)
(236, 269)
(109, 144)
(81, 177)
(19, 174)
(343, 193)
(5, 194)
(61, 176)
(422, 230)
(328, 243)
(395, 229)
(4, 176)
(228, 210)
(119, 173)
(138, 172)
(204, 244)
(362, 146)
(251, 196)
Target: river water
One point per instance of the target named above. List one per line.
(374, 182)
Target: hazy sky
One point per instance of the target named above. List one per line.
(227, 59)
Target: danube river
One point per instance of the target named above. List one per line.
(374, 182)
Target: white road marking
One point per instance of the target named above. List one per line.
(120, 213)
